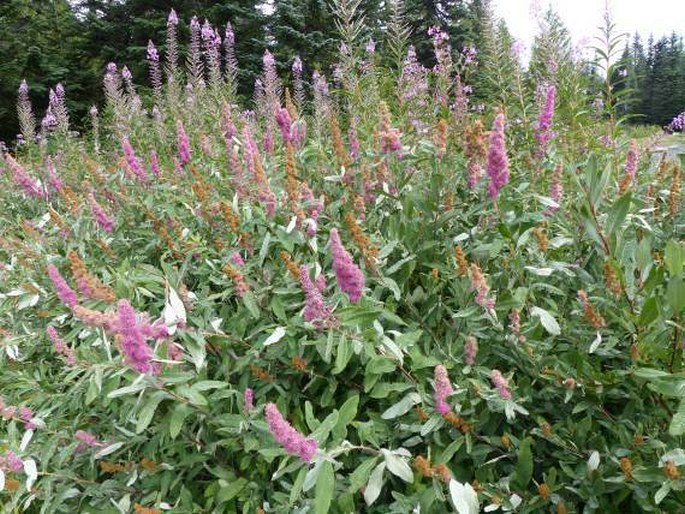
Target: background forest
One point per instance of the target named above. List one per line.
(70, 42)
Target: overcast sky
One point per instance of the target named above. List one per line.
(659, 17)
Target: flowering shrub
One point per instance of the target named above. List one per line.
(200, 316)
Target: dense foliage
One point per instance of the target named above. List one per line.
(354, 298)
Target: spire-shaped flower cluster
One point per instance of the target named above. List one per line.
(543, 128)
(498, 164)
(350, 278)
(556, 189)
(630, 168)
(30, 186)
(101, 217)
(470, 350)
(183, 143)
(131, 338)
(61, 347)
(315, 310)
(501, 384)
(292, 441)
(27, 121)
(480, 285)
(442, 389)
(64, 292)
(133, 163)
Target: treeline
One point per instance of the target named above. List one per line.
(70, 42)
(655, 76)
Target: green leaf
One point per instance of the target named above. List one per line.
(325, 486)
(179, 415)
(343, 353)
(346, 414)
(147, 412)
(360, 475)
(324, 429)
(379, 366)
(618, 213)
(230, 491)
(649, 313)
(192, 395)
(402, 407)
(674, 256)
(206, 385)
(250, 303)
(375, 484)
(547, 320)
(524, 465)
(677, 427)
(675, 292)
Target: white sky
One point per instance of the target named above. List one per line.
(660, 17)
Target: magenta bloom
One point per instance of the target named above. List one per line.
(443, 388)
(248, 399)
(183, 144)
(470, 350)
(154, 164)
(237, 259)
(543, 129)
(53, 178)
(632, 160)
(86, 438)
(131, 339)
(498, 164)
(284, 123)
(101, 217)
(350, 278)
(10, 462)
(315, 310)
(61, 346)
(292, 441)
(64, 292)
(30, 186)
(133, 162)
(501, 384)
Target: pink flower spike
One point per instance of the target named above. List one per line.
(501, 384)
(248, 399)
(350, 278)
(64, 292)
(443, 388)
(498, 164)
(292, 441)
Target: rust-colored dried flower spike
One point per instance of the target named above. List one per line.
(541, 235)
(506, 441)
(626, 467)
(338, 146)
(299, 363)
(292, 185)
(634, 352)
(662, 170)
(671, 470)
(260, 373)
(611, 279)
(440, 138)
(443, 472)
(241, 286)
(561, 507)
(590, 312)
(544, 491)
(422, 466)
(290, 105)
(462, 262)
(148, 464)
(232, 219)
(546, 429)
(458, 422)
(361, 240)
(422, 414)
(293, 267)
(88, 284)
(638, 439)
(139, 509)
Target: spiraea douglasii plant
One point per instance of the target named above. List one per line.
(364, 291)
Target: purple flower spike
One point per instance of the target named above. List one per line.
(443, 388)
(350, 278)
(292, 441)
(498, 164)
